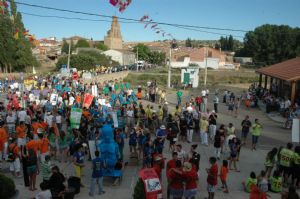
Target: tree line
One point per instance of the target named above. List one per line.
(15, 48)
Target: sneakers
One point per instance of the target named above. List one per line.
(102, 192)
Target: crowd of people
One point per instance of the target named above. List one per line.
(37, 130)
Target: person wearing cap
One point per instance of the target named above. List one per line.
(158, 164)
(190, 177)
(160, 139)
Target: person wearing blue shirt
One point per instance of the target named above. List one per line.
(120, 137)
(78, 160)
(97, 175)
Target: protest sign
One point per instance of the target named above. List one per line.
(95, 90)
(53, 99)
(75, 117)
(88, 99)
(152, 183)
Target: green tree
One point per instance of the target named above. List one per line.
(65, 47)
(188, 42)
(82, 43)
(230, 43)
(102, 46)
(143, 52)
(269, 44)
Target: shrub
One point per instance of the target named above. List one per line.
(8, 188)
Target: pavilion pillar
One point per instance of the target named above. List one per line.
(266, 82)
(293, 92)
(271, 82)
(260, 80)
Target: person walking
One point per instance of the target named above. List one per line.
(78, 160)
(212, 177)
(246, 124)
(97, 176)
(271, 160)
(216, 102)
(256, 132)
(32, 169)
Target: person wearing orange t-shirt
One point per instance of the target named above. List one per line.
(14, 159)
(33, 144)
(21, 134)
(35, 127)
(223, 176)
(3, 142)
(43, 146)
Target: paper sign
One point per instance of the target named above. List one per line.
(95, 90)
(295, 131)
(88, 99)
(152, 183)
(115, 119)
(75, 117)
(53, 99)
(92, 147)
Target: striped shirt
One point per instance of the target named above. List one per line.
(46, 170)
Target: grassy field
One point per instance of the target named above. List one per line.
(214, 77)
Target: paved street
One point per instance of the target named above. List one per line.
(273, 135)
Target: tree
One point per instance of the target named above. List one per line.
(143, 52)
(102, 46)
(82, 43)
(230, 43)
(270, 44)
(188, 42)
(65, 47)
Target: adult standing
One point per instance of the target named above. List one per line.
(203, 130)
(179, 97)
(256, 132)
(212, 125)
(190, 177)
(175, 178)
(216, 102)
(246, 124)
(97, 176)
(285, 161)
(78, 160)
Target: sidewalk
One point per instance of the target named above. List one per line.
(275, 116)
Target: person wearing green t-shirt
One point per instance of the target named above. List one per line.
(275, 182)
(252, 180)
(256, 132)
(179, 96)
(116, 87)
(285, 161)
(106, 90)
(271, 159)
(296, 166)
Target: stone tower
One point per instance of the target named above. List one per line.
(113, 39)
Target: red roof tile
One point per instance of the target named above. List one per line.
(288, 70)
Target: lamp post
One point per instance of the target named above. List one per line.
(169, 71)
(205, 72)
(69, 55)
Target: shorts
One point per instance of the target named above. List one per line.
(31, 169)
(233, 155)
(15, 166)
(190, 193)
(285, 170)
(176, 193)
(21, 142)
(245, 134)
(254, 139)
(211, 188)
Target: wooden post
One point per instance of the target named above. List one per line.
(271, 81)
(293, 92)
(260, 80)
(266, 82)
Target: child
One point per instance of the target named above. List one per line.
(263, 184)
(276, 182)
(212, 177)
(223, 176)
(249, 182)
(132, 141)
(46, 169)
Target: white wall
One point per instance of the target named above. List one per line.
(115, 55)
(194, 76)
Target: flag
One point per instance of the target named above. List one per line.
(114, 2)
(147, 23)
(153, 26)
(157, 32)
(144, 18)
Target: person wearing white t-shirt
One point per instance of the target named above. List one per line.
(58, 121)
(287, 104)
(11, 124)
(22, 115)
(71, 100)
(48, 118)
(31, 97)
(203, 93)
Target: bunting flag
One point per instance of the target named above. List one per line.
(114, 2)
(144, 18)
(3, 5)
(147, 23)
(153, 26)
(120, 4)
(157, 32)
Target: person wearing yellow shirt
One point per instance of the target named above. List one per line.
(276, 182)
(256, 132)
(251, 180)
(203, 130)
(160, 114)
(286, 160)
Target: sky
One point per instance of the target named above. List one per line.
(227, 14)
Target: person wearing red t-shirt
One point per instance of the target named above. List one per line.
(171, 164)
(158, 164)
(190, 178)
(175, 180)
(212, 177)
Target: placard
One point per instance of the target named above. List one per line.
(75, 117)
(95, 90)
(152, 183)
(88, 99)
(295, 131)
(53, 99)
(115, 119)
(92, 147)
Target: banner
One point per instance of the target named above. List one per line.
(88, 99)
(92, 147)
(75, 117)
(53, 99)
(95, 90)
(115, 119)
(152, 183)
(295, 131)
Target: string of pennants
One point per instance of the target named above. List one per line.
(120, 4)
(3, 5)
(154, 26)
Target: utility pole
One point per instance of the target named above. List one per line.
(137, 59)
(69, 55)
(205, 72)
(169, 71)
